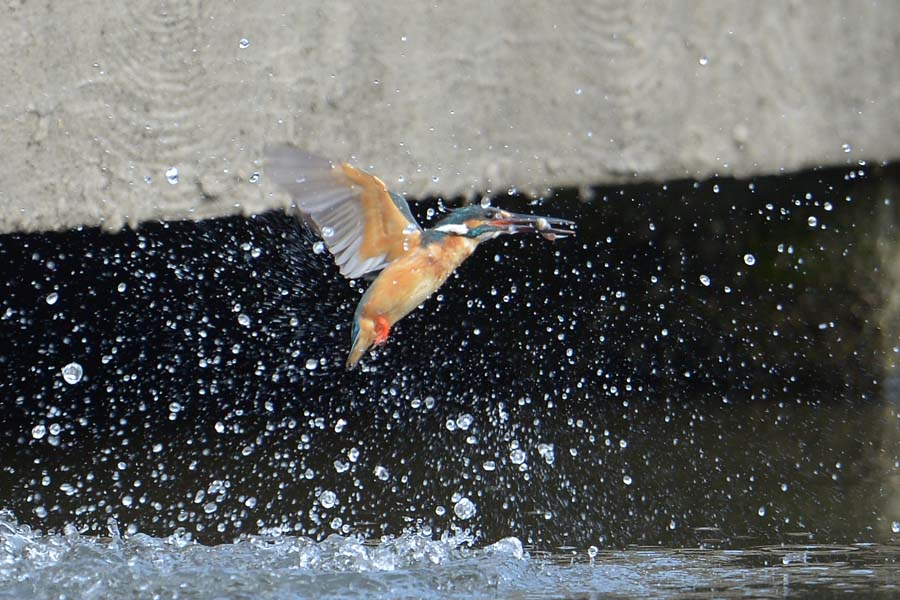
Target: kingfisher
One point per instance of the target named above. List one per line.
(372, 233)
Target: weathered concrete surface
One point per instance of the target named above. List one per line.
(100, 98)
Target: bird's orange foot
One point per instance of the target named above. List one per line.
(382, 329)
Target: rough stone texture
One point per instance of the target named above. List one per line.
(100, 98)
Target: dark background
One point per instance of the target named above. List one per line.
(754, 408)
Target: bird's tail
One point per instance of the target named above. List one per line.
(363, 337)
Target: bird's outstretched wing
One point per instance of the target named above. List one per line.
(363, 225)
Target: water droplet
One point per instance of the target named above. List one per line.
(465, 509)
(174, 407)
(254, 178)
(812, 221)
(122, 287)
(409, 229)
(705, 280)
(627, 480)
(464, 421)
(517, 456)
(435, 179)
(895, 526)
(847, 148)
(72, 373)
(578, 91)
(547, 452)
(327, 499)
(318, 247)
(762, 511)
(382, 473)
(244, 43)
(489, 465)
(485, 203)
(172, 175)
(703, 60)
(749, 260)
(52, 298)
(38, 431)
(593, 551)
(828, 206)
(244, 320)
(210, 507)
(327, 232)
(312, 364)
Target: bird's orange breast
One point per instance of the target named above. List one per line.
(412, 278)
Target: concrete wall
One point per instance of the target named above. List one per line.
(100, 98)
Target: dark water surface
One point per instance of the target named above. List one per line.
(704, 366)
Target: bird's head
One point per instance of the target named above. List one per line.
(483, 223)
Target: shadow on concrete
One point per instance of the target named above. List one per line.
(703, 363)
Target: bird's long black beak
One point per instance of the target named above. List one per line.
(549, 227)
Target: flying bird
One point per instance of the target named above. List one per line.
(370, 230)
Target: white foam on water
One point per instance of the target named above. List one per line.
(413, 565)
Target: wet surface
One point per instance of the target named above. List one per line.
(703, 365)
(415, 565)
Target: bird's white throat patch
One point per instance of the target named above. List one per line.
(455, 228)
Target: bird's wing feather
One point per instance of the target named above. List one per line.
(363, 225)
